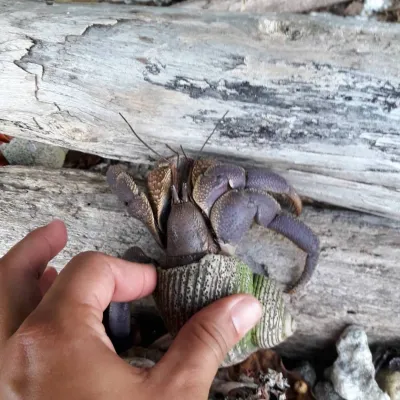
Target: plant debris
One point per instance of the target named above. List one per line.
(265, 378)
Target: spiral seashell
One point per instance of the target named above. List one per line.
(183, 291)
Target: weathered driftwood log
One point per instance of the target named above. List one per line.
(314, 97)
(257, 5)
(357, 280)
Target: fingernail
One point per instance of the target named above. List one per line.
(245, 314)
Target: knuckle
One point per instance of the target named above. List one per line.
(34, 336)
(87, 256)
(211, 335)
(93, 259)
(27, 356)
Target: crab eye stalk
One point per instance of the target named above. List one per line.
(175, 197)
(185, 197)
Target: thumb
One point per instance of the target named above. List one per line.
(204, 341)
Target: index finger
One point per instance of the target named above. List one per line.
(20, 272)
(91, 280)
(37, 248)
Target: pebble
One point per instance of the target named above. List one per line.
(353, 373)
(325, 391)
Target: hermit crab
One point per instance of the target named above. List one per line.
(198, 210)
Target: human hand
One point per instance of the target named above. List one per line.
(53, 343)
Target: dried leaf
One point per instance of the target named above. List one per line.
(259, 364)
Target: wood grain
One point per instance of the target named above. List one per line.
(259, 6)
(316, 98)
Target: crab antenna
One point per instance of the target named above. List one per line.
(212, 133)
(170, 148)
(175, 152)
(130, 126)
(183, 151)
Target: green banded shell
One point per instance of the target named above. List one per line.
(182, 291)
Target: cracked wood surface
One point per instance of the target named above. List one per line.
(356, 281)
(314, 97)
(257, 5)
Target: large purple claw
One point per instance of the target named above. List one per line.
(234, 212)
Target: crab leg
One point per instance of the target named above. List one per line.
(117, 316)
(136, 202)
(258, 178)
(301, 235)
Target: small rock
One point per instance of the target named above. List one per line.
(353, 373)
(389, 382)
(325, 391)
(307, 371)
(26, 152)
